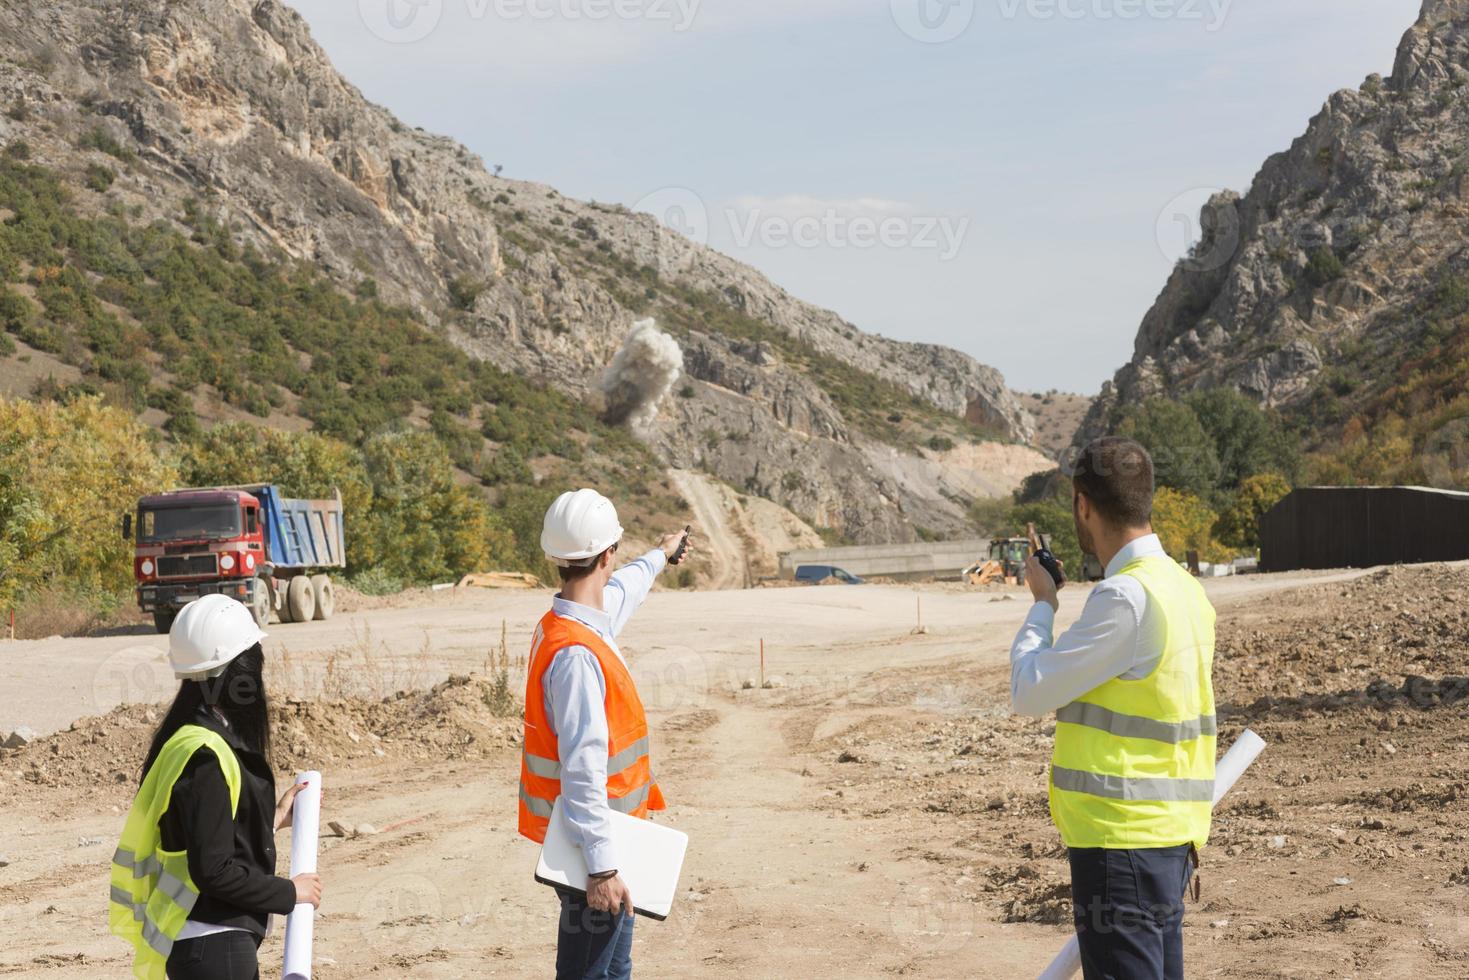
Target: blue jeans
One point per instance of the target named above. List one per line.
(1128, 909)
(592, 945)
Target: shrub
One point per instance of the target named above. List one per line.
(100, 178)
(464, 290)
(376, 581)
(1323, 267)
(940, 444)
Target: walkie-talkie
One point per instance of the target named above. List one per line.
(1043, 554)
(682, 545)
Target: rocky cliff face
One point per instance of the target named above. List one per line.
(232, 103)
(1312, 292)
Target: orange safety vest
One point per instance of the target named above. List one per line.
(630, 784)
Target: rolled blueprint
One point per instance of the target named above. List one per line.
(305, 828)
(1241, 755)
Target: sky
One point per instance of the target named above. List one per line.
(1013, 178)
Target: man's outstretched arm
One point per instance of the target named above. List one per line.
(632, 582)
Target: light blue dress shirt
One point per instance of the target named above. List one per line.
(1117, 635)
(575, 693)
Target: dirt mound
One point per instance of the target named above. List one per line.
(454, 720)
(1398, 638)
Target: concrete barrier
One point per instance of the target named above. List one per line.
(922, 559)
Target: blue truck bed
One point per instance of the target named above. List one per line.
(302, 533)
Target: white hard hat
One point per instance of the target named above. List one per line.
(207, 634)
(579, 526)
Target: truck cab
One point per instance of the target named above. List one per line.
(248, 543)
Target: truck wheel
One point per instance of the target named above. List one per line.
(278, 602)
(163, 619)
(325, 595)
(301, 599)
(260, 603)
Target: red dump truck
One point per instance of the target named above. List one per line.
(250, 543)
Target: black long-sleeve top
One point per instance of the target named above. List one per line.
(231, 859)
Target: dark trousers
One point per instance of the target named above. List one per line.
(592, 945)
(222, 956)
(1128, 908)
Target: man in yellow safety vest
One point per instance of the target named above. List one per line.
(1132, 773)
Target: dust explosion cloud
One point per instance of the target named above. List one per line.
(641, 375)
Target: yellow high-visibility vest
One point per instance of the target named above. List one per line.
(152, 893)
(1133, 765)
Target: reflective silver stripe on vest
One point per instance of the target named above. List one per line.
(154, 937)
(145, 868)
(1135, 726)
(1122, 788)
(631, 801)
(535, 805)
(123, 898)
(628, 757)
(539, 765)
(178, 892)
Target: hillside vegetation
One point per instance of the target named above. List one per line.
(173, 321)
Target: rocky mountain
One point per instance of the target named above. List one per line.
(229, 106)
(1335, 289)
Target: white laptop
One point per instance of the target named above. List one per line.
(651, 857)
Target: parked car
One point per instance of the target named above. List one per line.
(816, 574)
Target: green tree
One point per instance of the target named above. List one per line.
(302, 464)
(68, 473)
(1239, 524)
(1184, 456)
(423, 525)
(1247, 439)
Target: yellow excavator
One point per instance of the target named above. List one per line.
(1006, 561)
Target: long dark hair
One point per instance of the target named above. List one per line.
(238, 694)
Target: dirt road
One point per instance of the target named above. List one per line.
(727, 559)
(880, 814)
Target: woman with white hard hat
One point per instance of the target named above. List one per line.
(193, 879)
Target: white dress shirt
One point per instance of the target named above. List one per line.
(575, 693)
(1117, 635)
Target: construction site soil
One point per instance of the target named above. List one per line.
(878, 812)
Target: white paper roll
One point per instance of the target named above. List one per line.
(1241, 755)
(305, 829)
